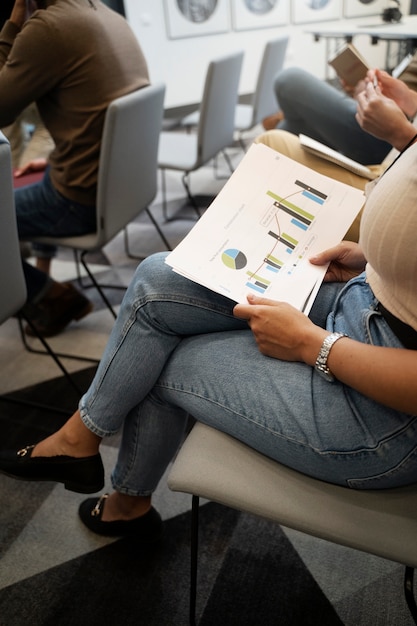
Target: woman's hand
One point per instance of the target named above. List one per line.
(352, 90)
(398, 91)
(382, 117)
(346, 261)
(280, 330)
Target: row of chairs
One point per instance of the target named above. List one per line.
(134, 147)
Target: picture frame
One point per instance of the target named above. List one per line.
(194, 18)
(306, 11)
(362, 8)
(253, 14)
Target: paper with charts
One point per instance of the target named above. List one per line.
(258, 234)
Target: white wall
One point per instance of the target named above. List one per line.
(181, 63)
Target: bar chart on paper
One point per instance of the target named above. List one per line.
(259, 233)
(286, 223)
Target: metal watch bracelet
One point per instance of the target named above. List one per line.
(321, 362)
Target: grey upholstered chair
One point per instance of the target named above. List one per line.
(263, 101)
(12, 282)
(218, 467)
(187, 152)
(128, 172)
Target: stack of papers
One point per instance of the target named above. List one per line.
(258, 234)
(321, 150)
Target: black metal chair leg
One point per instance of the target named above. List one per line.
(228, 161)
(160, 233)
(194, 558)
(98, 286)
(80, 258)
(409, 592)
(190, 199)
(190, 196)
(58, 355)
(164, 195)
(52, 354)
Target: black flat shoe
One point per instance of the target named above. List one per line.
(83, 475)
(147, 528)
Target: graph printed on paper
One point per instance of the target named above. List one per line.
(259, 233)
(286, 221)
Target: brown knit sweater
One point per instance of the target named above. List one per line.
(73, 59)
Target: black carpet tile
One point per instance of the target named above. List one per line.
(248, 575)
(264, 581)
(21, 424)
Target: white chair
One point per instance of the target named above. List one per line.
(187, 152)
(128, 173)
(12, 281)
(263, 101)
(218, 467)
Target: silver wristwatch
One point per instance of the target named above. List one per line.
(321, 361)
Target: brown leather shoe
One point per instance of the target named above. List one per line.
(60, 305)
(272, 121)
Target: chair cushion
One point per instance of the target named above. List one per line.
(220, 468)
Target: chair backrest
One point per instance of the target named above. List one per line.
(218, 105)
(128, 166)
(264, 101)
(12, 282)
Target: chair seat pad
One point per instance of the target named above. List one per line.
(218, 467)
(89, 242)
(244, 117)
(178, 150)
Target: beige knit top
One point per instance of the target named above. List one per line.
(389, 238)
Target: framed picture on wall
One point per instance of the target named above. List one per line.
(358, 8)
(193, 18)
(250, 14)
(303, 11)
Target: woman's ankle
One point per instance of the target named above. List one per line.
(73, 439)
(119, 506)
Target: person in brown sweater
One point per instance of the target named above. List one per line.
(71, 57)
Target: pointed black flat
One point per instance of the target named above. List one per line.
(83, 475)
(145, 529)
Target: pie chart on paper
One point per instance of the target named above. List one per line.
(234, 259)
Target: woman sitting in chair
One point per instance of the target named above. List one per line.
(332, 395)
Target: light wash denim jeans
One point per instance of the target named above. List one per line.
(42, 211)
(315, 108)
(176, 349)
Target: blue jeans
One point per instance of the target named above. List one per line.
(315, 108)
(42, 211)
(176, 349)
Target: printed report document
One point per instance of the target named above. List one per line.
(258, 234)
